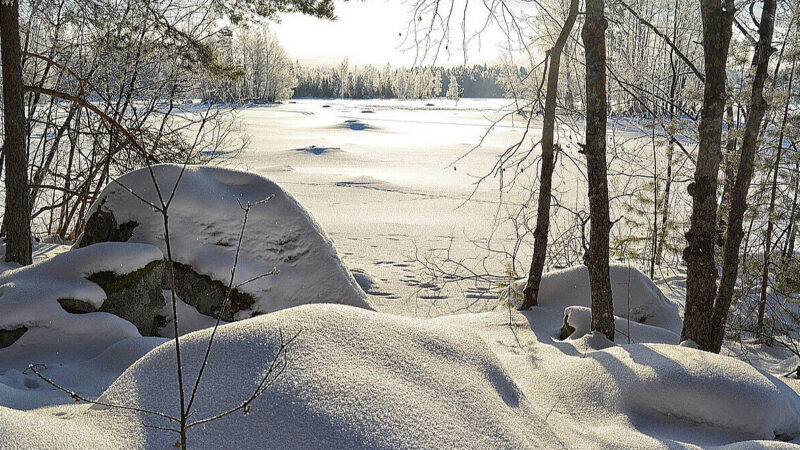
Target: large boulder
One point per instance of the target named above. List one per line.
(205, 220)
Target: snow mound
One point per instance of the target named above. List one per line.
(683, 383)
(29, 298)
(205, 222)
(355, 379)
(570, 287)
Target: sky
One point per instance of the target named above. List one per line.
(373, 32)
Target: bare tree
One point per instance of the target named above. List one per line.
(16, 220)
(762, 302)
(744, 174)
(701, 277)
(542, 230)
(596, 257)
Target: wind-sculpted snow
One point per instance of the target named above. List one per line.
(355, 379)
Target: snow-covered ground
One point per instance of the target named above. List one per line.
(377, 176)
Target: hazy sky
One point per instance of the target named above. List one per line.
(373, 32)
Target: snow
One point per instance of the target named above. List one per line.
(23, 390)
(384, 192)
(596, 394)
(580, 318)
(488, 378)
(631, 290)
(29, 298)
(205, 222)
(356, 379)
(189, 318)
(681, 383)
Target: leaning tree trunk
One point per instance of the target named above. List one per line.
(733, 241)
(762, 302)
(17, 209)
(701, 276)
(596, 258)
(540, 234)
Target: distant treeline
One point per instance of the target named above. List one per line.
(479, 81)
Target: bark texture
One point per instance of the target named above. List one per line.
(701, 277)
(596, 258)
(17, 208)
(542, 230)
(744, 174)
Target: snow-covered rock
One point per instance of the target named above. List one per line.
(631, 289)
(205, 221)
(578, 320)
(646, 380)
(29, 299)
(355, 379)
(134, 296)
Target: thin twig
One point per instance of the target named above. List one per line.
(79, 398)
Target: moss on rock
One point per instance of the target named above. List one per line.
(566, 329)
(113, 282)
(205, 293)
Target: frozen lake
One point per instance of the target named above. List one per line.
(383, 179)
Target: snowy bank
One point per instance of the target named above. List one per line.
(681, 383)
(578, 321)
(631, 289)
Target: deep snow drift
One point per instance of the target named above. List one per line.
(362, 379)
(681, 383)
(206, 219)
(631, 290)
(355, 379)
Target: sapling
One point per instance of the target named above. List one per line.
(279, 361)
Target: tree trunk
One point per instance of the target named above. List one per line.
(788, 250)
(762, 303)
(654, 248)
(733, 240)
(548, 162)
(729, 161)
(17, 209)
(596, 258)
(701, 276)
